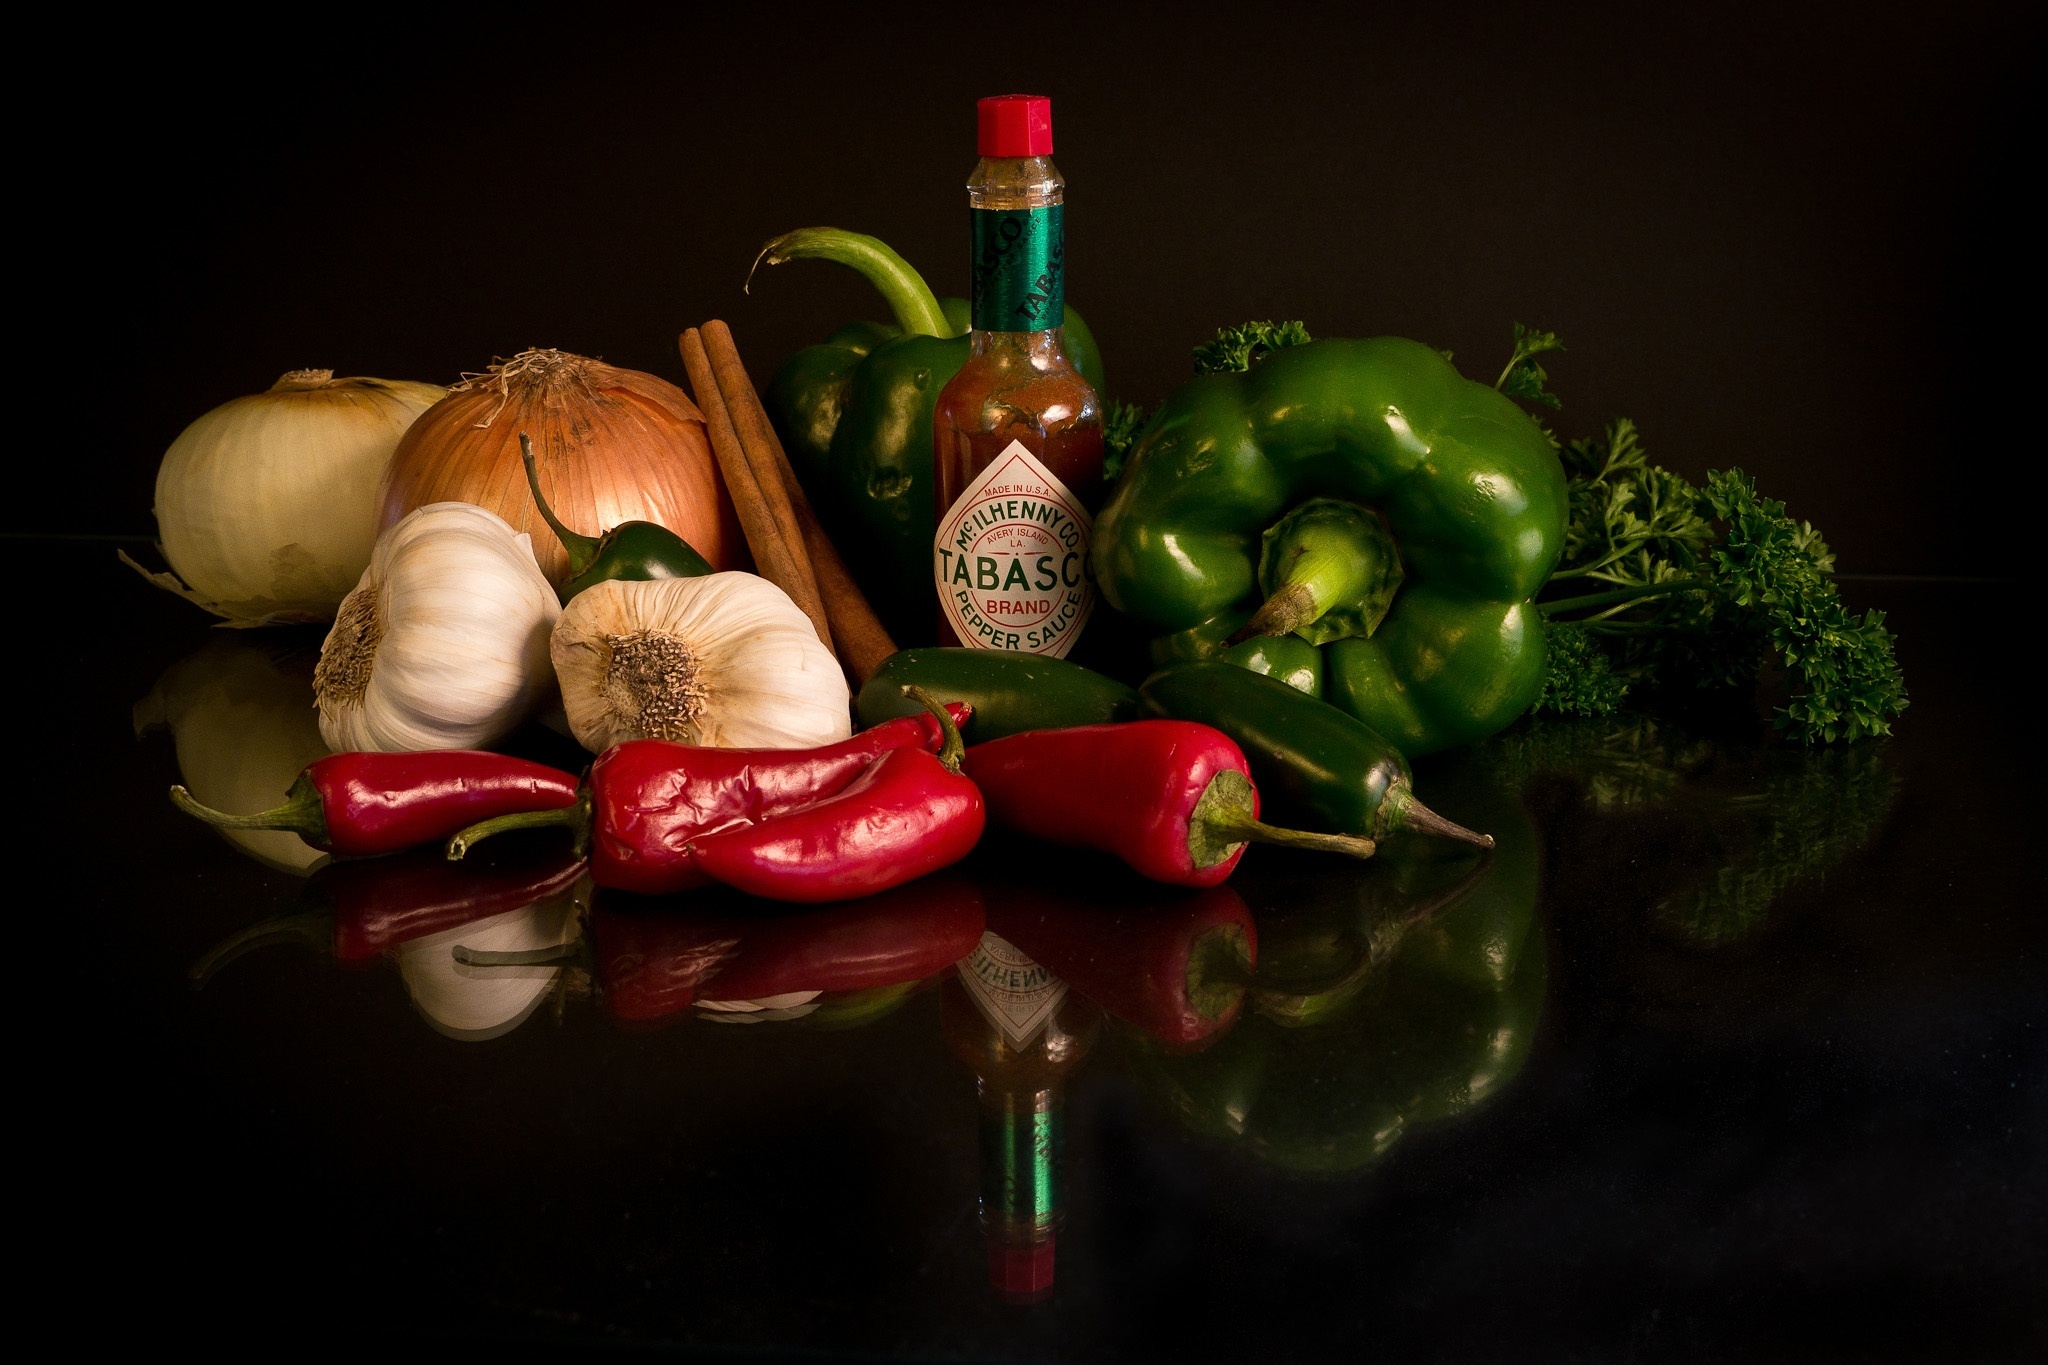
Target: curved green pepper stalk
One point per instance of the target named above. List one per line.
(575, 819)
(1329, 570)
(911, 301)
(632, 550)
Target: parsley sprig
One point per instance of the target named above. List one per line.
(1696, 588)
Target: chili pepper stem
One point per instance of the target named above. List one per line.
(314, 928)
(909, 298)
(302, 813)
(954, 748)
(1402, 811)
(574, 818)
(1223, 819)
(582, 549)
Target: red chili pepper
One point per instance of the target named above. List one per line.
(910, 813)
(1178, 969)
(364, 803)
(358, 910)
(662, 817)
(1173, 799)
(654, 965)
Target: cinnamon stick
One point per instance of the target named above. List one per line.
(858, 634)
(779, 555)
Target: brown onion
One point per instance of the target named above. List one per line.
(611, 445)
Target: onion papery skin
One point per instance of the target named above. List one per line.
(463, 622)
(610, 445)
(266, 507)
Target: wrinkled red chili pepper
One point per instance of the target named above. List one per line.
(1173, 799)
(662, 817)
(1177, 969)
(357, 804)
(652, 965)
(908, 814)
(359, 910)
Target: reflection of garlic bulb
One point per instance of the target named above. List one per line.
(244, 727)
(726, 660)
(769, 1008)
(444, 642)
(475, 1004)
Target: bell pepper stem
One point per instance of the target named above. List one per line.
(582, 549)
(1324, 554)
(1401, 810)
(910, 299)
(574, 818)
(1223, 819)
(302, 813)
(953, 749)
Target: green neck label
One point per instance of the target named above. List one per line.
(1020, 269)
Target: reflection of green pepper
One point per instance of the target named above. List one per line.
(1468, 489)
(1338, 1062)
(855, 415)
(632, 550)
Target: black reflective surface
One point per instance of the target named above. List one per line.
(1726, 1054)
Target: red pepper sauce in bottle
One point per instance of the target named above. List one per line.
(1017, 433)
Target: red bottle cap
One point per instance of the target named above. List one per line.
(1014, 125)
(1021, 1274)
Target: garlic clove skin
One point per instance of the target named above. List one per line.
(444, 642)
(725, 660)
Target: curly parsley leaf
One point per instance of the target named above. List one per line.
(1578, 678)
(1121, 423)
(1241, 347)
(1522, 377)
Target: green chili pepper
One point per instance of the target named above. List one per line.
(1010, 691)
(632, 550)
(1399, 515)
(1309, 759)
(1382, 999)
(855, 415)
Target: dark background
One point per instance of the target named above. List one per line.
(1788, 240)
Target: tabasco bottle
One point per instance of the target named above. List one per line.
(1017, 434)
(1022, 1033)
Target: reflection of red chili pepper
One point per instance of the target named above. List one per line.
(360, 909)
(646, 799)
(1177, 969)
(910, 813)
(652, 965)
(1172, 798)
(364, 803)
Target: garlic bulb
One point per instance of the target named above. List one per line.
(444, 642)
(725, 660)
(267, 505)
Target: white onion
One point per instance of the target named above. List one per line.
(267, 505)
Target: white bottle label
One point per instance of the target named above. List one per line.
(1012, 992)
(1011, 559)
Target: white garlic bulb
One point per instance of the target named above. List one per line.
(725, 660)
(444, 642)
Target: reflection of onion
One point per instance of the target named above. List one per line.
(475, 1004)
(243, 721)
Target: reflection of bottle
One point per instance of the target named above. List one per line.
(1020, 1031)
(1017, 431)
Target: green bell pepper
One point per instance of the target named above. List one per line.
(855, 415)
(1394, 509)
